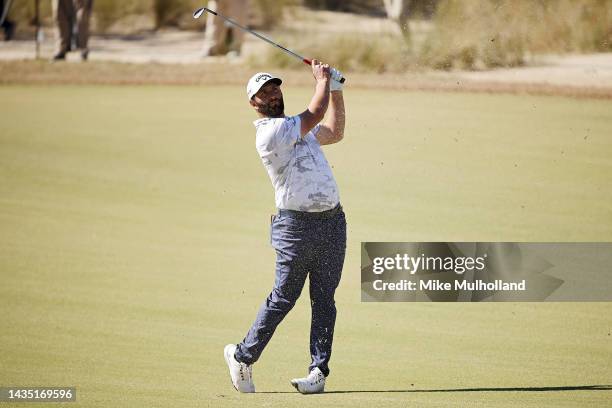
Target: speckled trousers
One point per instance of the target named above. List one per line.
(307, 245)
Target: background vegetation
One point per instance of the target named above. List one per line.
(474, 34)
(493, 33)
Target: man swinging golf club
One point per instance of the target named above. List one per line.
(309, 230)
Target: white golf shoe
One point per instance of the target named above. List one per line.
(241, 373)
(313, 384)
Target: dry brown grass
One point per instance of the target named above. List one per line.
(501, 33)
(113, 73)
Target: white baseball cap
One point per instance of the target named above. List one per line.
(258, 80)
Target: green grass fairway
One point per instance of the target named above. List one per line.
(134, 244)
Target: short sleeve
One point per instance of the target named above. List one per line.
(280, 133)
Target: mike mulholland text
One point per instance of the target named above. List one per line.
(437, 285)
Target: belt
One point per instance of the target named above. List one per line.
(305, 215)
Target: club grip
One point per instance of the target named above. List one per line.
(309, 62)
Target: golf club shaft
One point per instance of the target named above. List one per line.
(306, 61)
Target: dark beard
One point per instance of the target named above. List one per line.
(273, 110)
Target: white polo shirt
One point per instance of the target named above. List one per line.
(298, 169)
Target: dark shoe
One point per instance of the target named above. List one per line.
(84, 55)
(9, 30)
(60, 56)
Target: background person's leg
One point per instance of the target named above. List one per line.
(7, 25)
(238, 10)
(323, 283)
(62, 15)
(292, 263)
(215, 34)
(83, 12)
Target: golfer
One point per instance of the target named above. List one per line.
(309, 230)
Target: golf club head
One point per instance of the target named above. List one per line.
(198, 13)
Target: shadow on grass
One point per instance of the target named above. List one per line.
(483, 389)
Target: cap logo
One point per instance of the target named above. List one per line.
(263, 76)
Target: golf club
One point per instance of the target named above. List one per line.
(198, 13)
